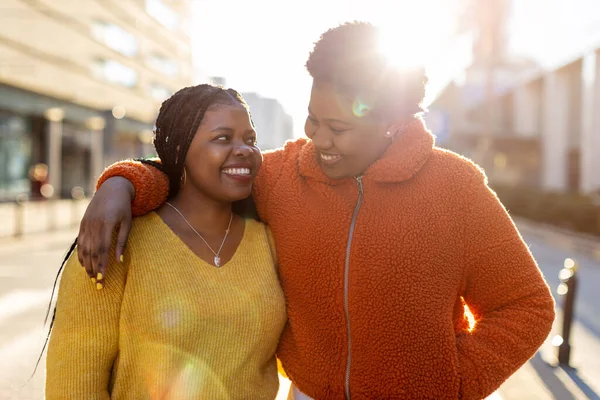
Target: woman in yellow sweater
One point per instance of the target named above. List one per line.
(210, 328)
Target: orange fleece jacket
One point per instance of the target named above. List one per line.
(378, 309)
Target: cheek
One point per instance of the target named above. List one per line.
(352, 144)
(257, 155)
(309, 129)
(203, 163)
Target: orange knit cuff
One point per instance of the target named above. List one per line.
(151, 185)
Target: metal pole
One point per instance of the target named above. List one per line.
(568, 289)
(19, 220)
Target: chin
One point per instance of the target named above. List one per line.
(333, 174)
(237, 195)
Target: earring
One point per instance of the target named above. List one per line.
(388, 134)
(183, 177)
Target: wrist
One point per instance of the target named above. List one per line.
(121, 185)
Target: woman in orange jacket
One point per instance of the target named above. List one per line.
(382, 238)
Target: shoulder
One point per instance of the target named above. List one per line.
(291, 149)
(146, 228)
(256, 228)
(454, 167)
(260, 234)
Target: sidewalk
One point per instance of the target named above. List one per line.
(40, 216)
(537, 380)
(540, 379)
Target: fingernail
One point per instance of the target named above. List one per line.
(99, 286)
(93, 280)
(121, 258)
(99, 277)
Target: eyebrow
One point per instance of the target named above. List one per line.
(230, 130)
(332, 119)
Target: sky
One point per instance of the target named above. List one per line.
(262, 45)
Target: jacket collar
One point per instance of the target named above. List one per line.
(400, 162)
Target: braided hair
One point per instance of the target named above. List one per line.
(178, 120)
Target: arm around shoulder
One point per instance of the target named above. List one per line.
(151, 184)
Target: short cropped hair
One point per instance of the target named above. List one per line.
(349, 57)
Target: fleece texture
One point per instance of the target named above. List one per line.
(379, 311)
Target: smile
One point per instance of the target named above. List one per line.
(237, 171)
(330, 159)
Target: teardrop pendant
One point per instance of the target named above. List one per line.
(217, 261)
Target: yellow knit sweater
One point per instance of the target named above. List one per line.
(168, 325)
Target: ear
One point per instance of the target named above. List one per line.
(396, 129)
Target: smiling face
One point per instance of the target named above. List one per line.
(223, 158)
(346, 144)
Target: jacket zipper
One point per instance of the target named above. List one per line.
(346, 282)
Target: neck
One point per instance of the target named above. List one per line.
(203, 212)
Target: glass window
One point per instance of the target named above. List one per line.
(115, 72)
(162, 13)
(164, 65)
(115, 37)
(160, 92)
(15, 156)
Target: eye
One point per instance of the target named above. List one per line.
(251, 141)
(312, 120)
(338, 131)
(222, 138)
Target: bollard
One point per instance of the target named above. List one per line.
(567, 289)
(20, 201)
(48, 192)
(77, 194)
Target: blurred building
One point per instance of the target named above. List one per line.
(528, 125)
(273, 124)
(81, 83)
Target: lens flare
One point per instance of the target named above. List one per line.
(360, 109)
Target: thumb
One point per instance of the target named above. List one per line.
(124, 229)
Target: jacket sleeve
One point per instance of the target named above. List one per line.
(505, 291)
(151, 184)
(84, 340)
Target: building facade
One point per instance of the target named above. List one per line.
(81, 83)
(273, 124)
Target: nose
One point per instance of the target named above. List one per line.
(242, 150)
(322, 139)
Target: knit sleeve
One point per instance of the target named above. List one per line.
(505, 291)
(151, 184)
(84, 341)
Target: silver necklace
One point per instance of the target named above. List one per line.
(217, 259)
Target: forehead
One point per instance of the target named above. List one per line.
(327, 102)
(226, 115)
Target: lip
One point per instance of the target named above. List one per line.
(330, 162)
(240, 178)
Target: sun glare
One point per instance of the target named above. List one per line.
(401, 50)
(470, 318)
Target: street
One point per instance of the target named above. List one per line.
(28, 268)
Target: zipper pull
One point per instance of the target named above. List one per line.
(359, 183)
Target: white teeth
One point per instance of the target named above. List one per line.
(328, 157)
(237, 171)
